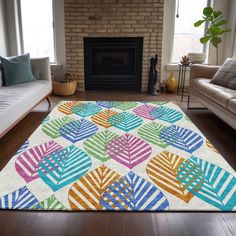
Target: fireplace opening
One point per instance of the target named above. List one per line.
(113, 63)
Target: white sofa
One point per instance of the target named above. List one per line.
(17, 101)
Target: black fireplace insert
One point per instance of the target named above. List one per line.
(113, 63)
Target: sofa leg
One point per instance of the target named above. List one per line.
(48, 100)
(194, 108)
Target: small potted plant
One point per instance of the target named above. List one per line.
(66, 86)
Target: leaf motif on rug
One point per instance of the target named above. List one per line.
(150, 132)
(64, 167)
(133, 193)
(66, 108)
(124, 105)
(27, 163)
(162, 171)
(45, 120)
(166, 114)
(23, 147)
(50, 204)
(129, 150)
(96, 144)
(160, 103)
(86, 193)
(19, 199)
(181, 138)
(86, 109)
(52, 128)
(145, 111)
(125, 121)
(102, 118)
(78, 130)
(211, 146)
(208, 182)
(105, 104)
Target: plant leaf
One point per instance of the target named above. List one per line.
(27, 163)
(204, 40)
(198, 23)
(216, 14)
(208, 182)
(96, 144)
(181, 138)
(86, 193)
(162, 170)
(64, 167)
(129, 150)
(151, 133)
(207, 11)
(132, 192)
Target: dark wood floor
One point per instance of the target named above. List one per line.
(120, 224)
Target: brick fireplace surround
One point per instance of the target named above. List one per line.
(112, 18)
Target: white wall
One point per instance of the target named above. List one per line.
(3, 32)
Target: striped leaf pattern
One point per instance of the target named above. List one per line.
(19, 199)
(23, 147)
(52, 128)
(162, 169)
(86, 109)
(211, 146)
(125, 121)
(27, 163)
(181, 138)
(45, 120)
(129, 150)
(166, 114)
(145, 111)
(78, 130)
(151, 133)
(124, 105)
(50, 204)
(133, 193)
(66, 108)
(105, 104)
(64, 167)
(102, 118)
(160, 103)
(208, 182)
(86, 193)
(96, 144)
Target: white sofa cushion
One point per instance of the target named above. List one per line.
(17, 100)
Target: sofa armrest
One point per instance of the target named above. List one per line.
(41, 68)
(203, 71)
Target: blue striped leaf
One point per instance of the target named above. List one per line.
(167, 114)
(23, 147)
(133, 193)
(19, 199)
(105, 104)
(86, 109)
(78, 130)
(208, 182)
(64, 167)
(125, 121)
(181, 138)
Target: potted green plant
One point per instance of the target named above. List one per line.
(215, 24)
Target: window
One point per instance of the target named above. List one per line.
(186, 36)
(37, 33)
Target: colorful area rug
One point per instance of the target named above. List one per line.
(118, 156)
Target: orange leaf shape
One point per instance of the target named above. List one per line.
(162, 170)
(211, 146)
(102, 118)
(66, 108)
(86, 193)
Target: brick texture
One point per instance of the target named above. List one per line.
(112, 18)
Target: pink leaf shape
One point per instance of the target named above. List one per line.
(27, 163)
(145, 111)
(129, 150)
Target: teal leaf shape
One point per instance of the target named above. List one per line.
(166, 114)
(96, 144)
(133, 193)
(86, 109)
(78, 130)
(208, 182)
(150, 132)
(64, 167)
(181, 138)
(125, 121)
(51, 204)
(52, 128)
